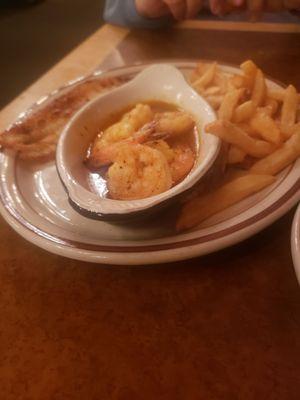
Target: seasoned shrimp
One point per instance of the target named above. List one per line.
(138, 172)
(105, 153)
(175, 123)
(182, 163)
(180, 158)
(130, 123)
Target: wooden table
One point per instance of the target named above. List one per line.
(224, 326)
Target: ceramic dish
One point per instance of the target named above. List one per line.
(295, 241)
(35, 204)
(159, 83)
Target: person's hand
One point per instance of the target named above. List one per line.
(221, 7)
(179, 9)
(183, 9)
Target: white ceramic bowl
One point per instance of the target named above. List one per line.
(158, 82)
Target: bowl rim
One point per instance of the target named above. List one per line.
(137, 205)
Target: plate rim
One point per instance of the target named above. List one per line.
(295, 242)
(164, 252)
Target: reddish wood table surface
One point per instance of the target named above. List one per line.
(224, 326)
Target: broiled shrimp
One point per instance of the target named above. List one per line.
(175, 123)
(130, 123)
(105, 153)
(138, 172)
(183, 161)
(180, 157)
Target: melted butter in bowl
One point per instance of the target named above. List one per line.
(126, 156)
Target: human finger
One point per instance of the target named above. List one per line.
(192, 8)
(177, 8)
(217, 7)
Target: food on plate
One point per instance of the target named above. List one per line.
(280, 159)
(35, 135)
(138, 171)
(127, 128)
(229, 104)
(244, 111)
(200, 208)
(261, 126)
(233, 134)
(266, 127)
(144, 151)
(235, 155)
(289, 109)
(150, 147)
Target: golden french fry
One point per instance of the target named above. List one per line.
(249, 69)
(276, 94)
(244, 126)
(238, 81)
(244, 111)
(232, 134)
(206, 78)
(259, 89)
(201, 208)
(235, 155)
(212, 91)
(266, 127)
(289, 108)
(198, 71)
(215, 101)
(271, 106)
(229, 104)
(221, 80)
(280, 159)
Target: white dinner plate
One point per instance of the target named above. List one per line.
(295, 240)
(34, 203)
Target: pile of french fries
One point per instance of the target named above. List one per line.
(261, 127)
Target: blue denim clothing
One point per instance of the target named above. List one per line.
(124, 13)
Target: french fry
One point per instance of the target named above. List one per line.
(244, 111)
(212, 91)
(238, 81)
(266, 127)
(235, 155)
(289, 109)
(259, 89)
(291, 129)
(271, 107)
(249, 69)
(280, 159)
(198, 71)
(206, 78)
(215, 101)
(232, 134)
(229, 104)
(276, 94)
(203, 207)
(221, 80)
(244, 126)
